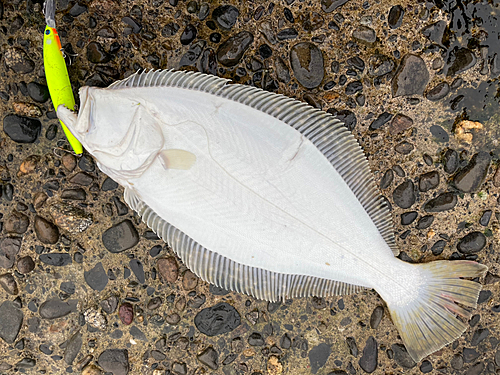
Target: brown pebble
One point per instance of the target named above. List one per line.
(28, 165)
(168, 269)
(180, 304)
(71, 218)
(154, 303)
(91, 370)
(69, 161)
(173, 319)
(496, 177)
(189, 280)
(9, 284)
(126, 313)
(25, 264)
(46, 232)
(27, 109)
(39, 199)
(17, 222)
(81, 178)
(400, 123)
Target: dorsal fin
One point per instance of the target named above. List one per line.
(327, 133)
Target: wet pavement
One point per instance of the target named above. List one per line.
(87, 288)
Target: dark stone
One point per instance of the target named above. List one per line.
(395, 17)
(368, 361)
(25, 264)
(9, 284)
(17, 222)
(376, 317)
(9, 247)
(379, 65)
(425, 222)
(179, 368)
(77, 194)
(138, 334)
(476, 369)
(209, 357)
(318, 356)
(170, 29)
(121, 208)
(345, 116)
(114, 361)
(411, 77)
(470, 355)
(39, 93)
(329, 6)
(120, 237)
(440, 135)
(408, 217)
(256, 339)
(11, 322)
(133, 26)
(86, 164)
(386, 179)
(438, 247)
(96, 277)
(192, 55)
(443, 202)
(435, 32)
(426, 367)
(402, 357)
(485, 218)
(404, 194)
(109, 184)
(46, 232)
(438, 92)
(109, 305)
(353, 87)
(231, 51)
(306, 60)
(287, 34)
(472, 243)
(225, 16)
(26, 363)
(55, 308)
(457, 362)
(217, 320)
(364, 34)
(450, 161)
(56, 259)
(380, 120)
(428, 181)
(22, 129)
(138, 270)
(479, 336)
(17, 60)
(400, 123)
(73, 348)
(96, 53)
(460, 60)
(472, 176)
(77, 10)
(404, 148)
(188, 35)
(81, 178)
(353, 348)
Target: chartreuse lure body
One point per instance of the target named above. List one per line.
(265, 195)
(56, 72)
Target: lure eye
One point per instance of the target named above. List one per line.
(47, 32)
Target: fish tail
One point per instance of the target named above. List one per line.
(429, 321)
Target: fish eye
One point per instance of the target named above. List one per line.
(47, 32)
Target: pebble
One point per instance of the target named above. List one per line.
(168, 269)
(380, 65)
(404, 148)
(114, 361)
(476, 369)
(472, 243)
(408, 217)
(460, 60)
(189, 280)
(368, 361)
(9, 247)
(428, 181)
(353, 348)
(26, 363)
(318, 356)
(96, 53)
(231, 51)
(438, 92)
(81, 178)
(9, 284)
(56, 259)
(256, 339)
(439, 134)
(376, 317)
(443, 202)
(395, 17)
(138, 270)
(282, 71)
(426, 367)
(425, 222)
(353, 87)
(485, 218)
(217, 320)
(55, 308)
(28, 165)
(110, 304)
(411, 77)
(120, 237)
(96, 277)
(306, 61)
(435, 31)
(457, 362)
(179, 368)
(312, 21)
(450, 161)
(109, 184)
(126, 313)
(73, 348)
(17, 60)
(381, 120)
(329, 6)
(86, 163)
(225, 16)
(70, 218)
(173, 318)
(77, 194)
(22, 129)
(479, 336)
(364, 34)
(11, 322)
(25, 264)
(154, 303)
(188, 35)
(471, 178)
(46, 232)
(345, 116)
(39, 93)
(26, 109)
(402, 357)
(400, 123)
(16, 222)
(404, 194)
(138, 334)
(68, 161)
(209, 357)
(470, 355)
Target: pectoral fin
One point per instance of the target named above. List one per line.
(177, 159)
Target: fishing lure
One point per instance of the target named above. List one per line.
(56, 72)
(265, 195)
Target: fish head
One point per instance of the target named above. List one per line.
(117, 129)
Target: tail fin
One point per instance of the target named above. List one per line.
(429, 322)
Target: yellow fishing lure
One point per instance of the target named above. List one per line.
(56, 72)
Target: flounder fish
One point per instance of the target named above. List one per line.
(264, 195)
